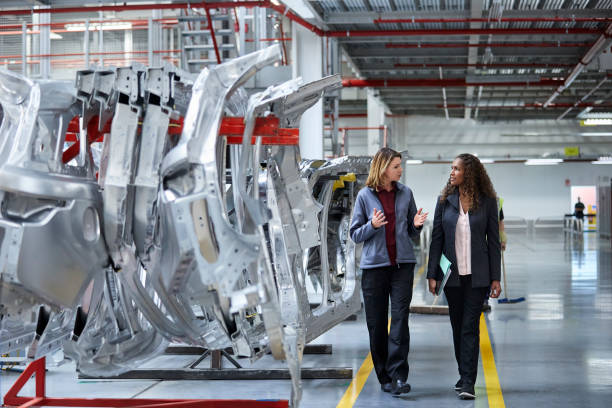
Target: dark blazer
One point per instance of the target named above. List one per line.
(484, 231)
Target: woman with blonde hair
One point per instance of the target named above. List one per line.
(384, 219)
(466, 231)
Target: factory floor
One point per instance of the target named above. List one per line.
(552, 350)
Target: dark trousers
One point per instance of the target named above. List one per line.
(389, 349)
(464, 308)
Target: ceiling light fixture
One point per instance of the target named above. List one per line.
(603, 160)
(411, 161)
(594, 134)
(542, 162)
(596, 122)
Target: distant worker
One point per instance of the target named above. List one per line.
(579, 214)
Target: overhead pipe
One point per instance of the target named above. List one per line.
(297, 19)
(463, 31)
(584, 98)
(444, 96)
(136, 7)
(602, 43)
(495, 20)
(526, 105)
(493, 45)
(480, 65)
(435, 82)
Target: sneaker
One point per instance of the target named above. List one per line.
(386, 387)
(467, 392)
(458, 385)
(400, 387)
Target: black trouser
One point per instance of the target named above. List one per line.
(464, 308)
(389, 349)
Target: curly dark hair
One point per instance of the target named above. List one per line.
(476, 181)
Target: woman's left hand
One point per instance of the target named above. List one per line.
(419, 218)
(495, 289)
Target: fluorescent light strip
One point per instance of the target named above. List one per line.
(542, 162)
(600, 134)
(596, 122)
(414, 161)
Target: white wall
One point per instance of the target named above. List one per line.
(528, 191)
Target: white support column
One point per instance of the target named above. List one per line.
(45, 43)
(376, 118)
(86, 44)
(101, 39)
(307, 58)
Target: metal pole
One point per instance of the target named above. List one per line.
(86, 43)
(150, 41)
(101, 39)
(24, 41)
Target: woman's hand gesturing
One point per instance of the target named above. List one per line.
(378, 219)
(419, 218)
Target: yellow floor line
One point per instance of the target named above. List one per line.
(355, 387)
(418, 276)
(494, 393)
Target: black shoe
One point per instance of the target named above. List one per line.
(400, 387)
(467, 392)
(458, 385)
(386, 387)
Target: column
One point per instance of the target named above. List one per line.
(307, 58)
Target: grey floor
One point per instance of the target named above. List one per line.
(552, 350)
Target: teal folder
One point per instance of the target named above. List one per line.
(445, 265)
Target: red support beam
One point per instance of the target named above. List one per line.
(498, 20)
(492, 45)
(435, 82)
(37, 369)
(132, 7)
(464, 31)
(508, 65)
(527, 105)
(231, 127)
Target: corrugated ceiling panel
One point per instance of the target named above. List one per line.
(380, 5)
(405, 5)
(603, 4)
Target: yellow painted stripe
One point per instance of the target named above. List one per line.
(355, 387)
(494, 392)
(419, 274)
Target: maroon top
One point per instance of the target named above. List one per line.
(387, 199)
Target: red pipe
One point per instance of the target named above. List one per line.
(499, 20)
(212, 35)
(509, 65)
(284, 10)
(493, 45)
(527, 105)
(297, 19)
(463, 31)
(126, 7)
(435, 82)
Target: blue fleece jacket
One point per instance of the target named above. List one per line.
(374, 253)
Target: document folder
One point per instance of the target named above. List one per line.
(445, 265)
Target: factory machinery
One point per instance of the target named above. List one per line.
(142, 206)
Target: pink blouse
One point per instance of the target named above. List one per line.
(463, 247)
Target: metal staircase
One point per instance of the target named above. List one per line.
(207, 37)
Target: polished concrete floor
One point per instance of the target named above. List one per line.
(552, 350)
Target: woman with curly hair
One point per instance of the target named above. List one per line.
(466, 231)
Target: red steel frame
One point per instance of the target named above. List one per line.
(231, 127)
(37, 368)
